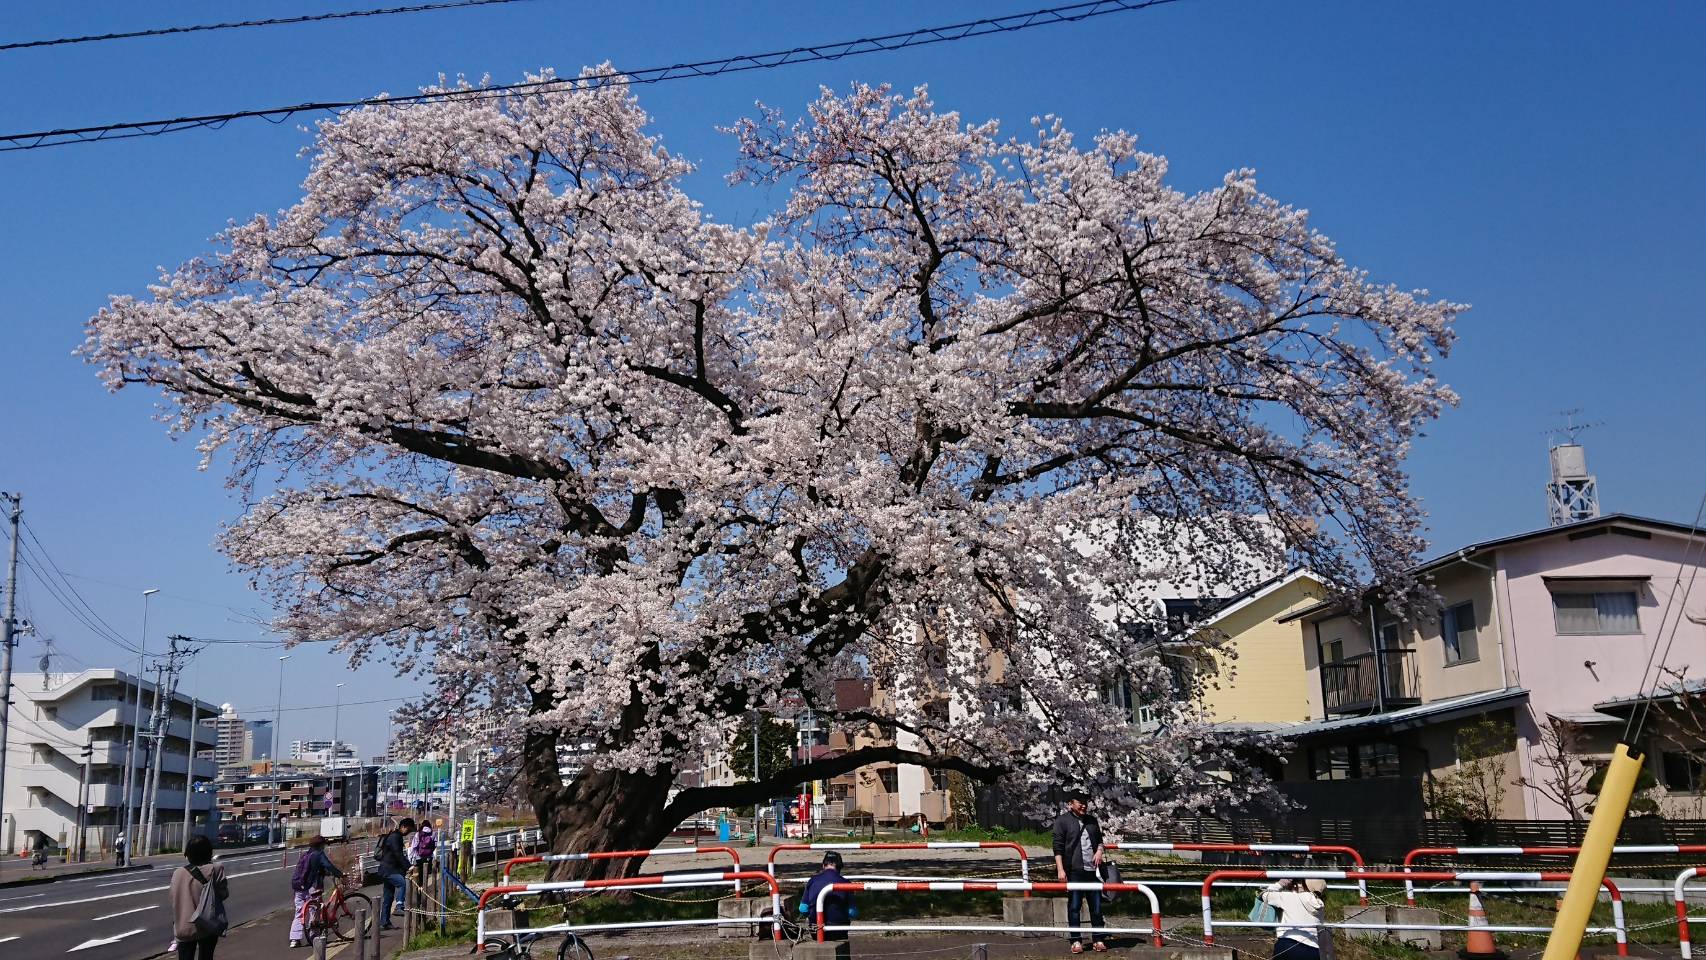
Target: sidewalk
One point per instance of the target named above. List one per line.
(268, 938)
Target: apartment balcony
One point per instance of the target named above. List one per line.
(1366, 682)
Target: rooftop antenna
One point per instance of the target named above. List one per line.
(45, 664)
(1572, 495)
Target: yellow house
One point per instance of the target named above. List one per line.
(1251, 665)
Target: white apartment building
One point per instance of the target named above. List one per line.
(333, 755)
(54, 718)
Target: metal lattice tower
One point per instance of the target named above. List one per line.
(1573, 493)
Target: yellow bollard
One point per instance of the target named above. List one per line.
(1589, 870)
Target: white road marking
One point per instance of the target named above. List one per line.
(114, 896)
(7, 939)
(120, 883)
(106, 940)
(122, 913)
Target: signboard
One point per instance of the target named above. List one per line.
(467, 831)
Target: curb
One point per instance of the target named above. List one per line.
(71, 875)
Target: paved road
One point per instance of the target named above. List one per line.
(125, 916)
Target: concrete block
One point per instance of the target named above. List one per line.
(1375, 914)
(1033, 912)
(741, 908)
(501, 920)
(1423, 939)
(1180, 952)
(804, 950)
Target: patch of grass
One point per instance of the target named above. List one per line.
(1030, 838)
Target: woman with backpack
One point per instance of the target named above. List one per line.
(197, 893)
(311, 872)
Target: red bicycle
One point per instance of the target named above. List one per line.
(333, 916)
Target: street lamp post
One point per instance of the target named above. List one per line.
(135, 733)
(277, 740)
(332, 765)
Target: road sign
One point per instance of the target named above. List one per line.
(467, 831)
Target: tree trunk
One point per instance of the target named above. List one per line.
(600, 810)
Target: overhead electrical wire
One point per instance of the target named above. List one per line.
(924, 36)
(63, 589)
(36, 568)
(241, 24)
(1638, 716)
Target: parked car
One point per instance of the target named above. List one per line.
(230, 834)
(257, 833)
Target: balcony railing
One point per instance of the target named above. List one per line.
(1363, 682)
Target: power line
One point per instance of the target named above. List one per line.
(240, 24)
(36, 568)
(1070, 13)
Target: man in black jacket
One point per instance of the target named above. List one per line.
(392, 859)
(1078, 859)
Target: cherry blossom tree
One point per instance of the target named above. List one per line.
(509, 410)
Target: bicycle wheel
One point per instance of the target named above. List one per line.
(342, 921)
(574, 948)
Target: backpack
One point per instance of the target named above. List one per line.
(210, 919)
(299, 879)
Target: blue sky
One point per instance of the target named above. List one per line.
(1539, 161)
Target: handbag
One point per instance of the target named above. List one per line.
(1110, 873)
(209, 918)
(1263, 911)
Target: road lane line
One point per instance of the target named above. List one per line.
(122, 913)
(114, 896)
(7, 939)
(106, 940)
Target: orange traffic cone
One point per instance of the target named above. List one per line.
(1478, 944)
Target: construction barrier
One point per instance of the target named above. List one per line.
(630, 883)
(1682, 917)
(1024, 858)
(988, 886)
(513, 862)
(1295, 849)
(1416, 854)
(1618, 928)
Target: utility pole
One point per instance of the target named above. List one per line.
(189, 768)
(83, 803)
(156, 752)
(8, 627)
(277, 740)
(135, 737)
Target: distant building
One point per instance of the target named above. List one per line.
(257, 740)
(296, 794)
(333, 755)
(238, 742)
(53, 719)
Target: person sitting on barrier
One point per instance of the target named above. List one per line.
(1078, 859)
(838, 907)
(1301, 912)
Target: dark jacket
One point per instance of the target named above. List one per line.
(391, 856)
(835, 906)
(1066, 829)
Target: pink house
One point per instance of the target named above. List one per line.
(1547, 629)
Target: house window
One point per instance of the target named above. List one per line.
(1376, 760)
(1365, 761)
(939, 779)
(1331, 763)
(1457, 629)
(1683, 773)
(1335, 652)
(890, 779)
(1596, 614)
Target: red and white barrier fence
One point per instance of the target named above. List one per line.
(1416, 854)
(514, 862)
(987, 886)
(1618, 929)
(1682, 917)
(1295, 849)
(716, 879)
(1024, 858)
